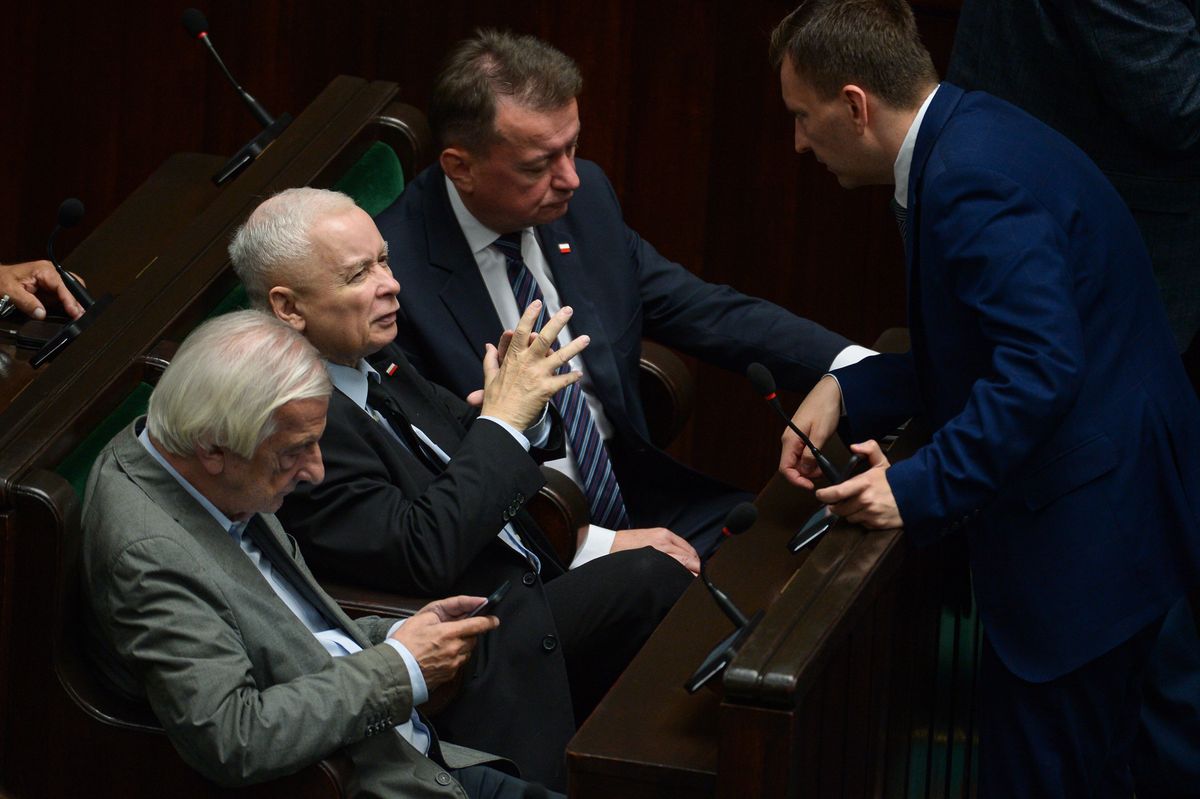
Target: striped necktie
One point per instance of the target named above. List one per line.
(591, 458)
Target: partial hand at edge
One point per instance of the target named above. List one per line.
(818, 417)
(27, 283)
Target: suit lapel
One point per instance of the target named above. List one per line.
(274, 547)
(570, 278)
(462, 291)
(940, 110)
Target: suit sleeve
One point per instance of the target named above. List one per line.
(1147, 56)
(720, 325)
(374, 523)
(1001, 256)
(177, 632)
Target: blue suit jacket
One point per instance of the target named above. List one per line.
(621, 290)
(1067, 441)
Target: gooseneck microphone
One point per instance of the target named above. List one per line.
(764, 383)
(739, 520)
(70, 213)
(197, 26)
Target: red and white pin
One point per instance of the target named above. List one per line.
(391, 370)
(564, 247)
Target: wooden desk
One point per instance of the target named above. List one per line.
(123, 246)
(832, 694)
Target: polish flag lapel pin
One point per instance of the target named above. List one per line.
(564, 247)
(391, 370)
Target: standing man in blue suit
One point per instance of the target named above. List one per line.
(1067, 443)
(508, 204)
(1127, 91)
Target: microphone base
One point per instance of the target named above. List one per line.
(68, 333)
(252, 150)
(721, 656)
(817, 525)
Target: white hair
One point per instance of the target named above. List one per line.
(275, 237)
(227, 380)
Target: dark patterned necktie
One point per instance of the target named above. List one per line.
(591, 458)
(381, 401)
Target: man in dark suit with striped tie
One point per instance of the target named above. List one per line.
(423, 492)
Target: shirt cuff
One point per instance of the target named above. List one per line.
(597, 541)
(538, 433)
(517, 435)
(420, 691)
(851, 355)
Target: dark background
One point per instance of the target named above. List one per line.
(680, 106)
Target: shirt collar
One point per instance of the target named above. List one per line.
(904, 158)
(352, 380)
(478, 235)
(221, 519)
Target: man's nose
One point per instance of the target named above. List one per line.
(801, 140)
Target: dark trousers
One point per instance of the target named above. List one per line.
(482, 782)
(605, 610)
(1070, 737)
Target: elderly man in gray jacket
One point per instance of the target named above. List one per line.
(203, 605)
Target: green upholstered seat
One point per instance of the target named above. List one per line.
(76, 466)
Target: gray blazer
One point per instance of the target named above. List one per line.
(244, 690)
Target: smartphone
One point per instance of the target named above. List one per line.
(492, 600)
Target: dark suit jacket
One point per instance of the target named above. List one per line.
(1067, 440)
(622, 290)
(244, 690)
(381, 518)
(1122, 81)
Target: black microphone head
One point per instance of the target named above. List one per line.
(740, 519)
(761, 378)
(194, 22)
(70, 213)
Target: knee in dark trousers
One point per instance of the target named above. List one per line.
(605, 610)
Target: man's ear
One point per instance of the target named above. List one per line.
(211, 459)
(456, 163)
(855, 100)
(283, 303)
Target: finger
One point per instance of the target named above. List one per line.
(831, 495)
(555, 324)
(455, 607)
(502, 347)
(27, 303)
(476, 625)
(475, 398)
(520, 336)
(491, 364)
(573, 348)
(557, 382)
(872, 452)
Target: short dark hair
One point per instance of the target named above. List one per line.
(495, 63)
(872, 43)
